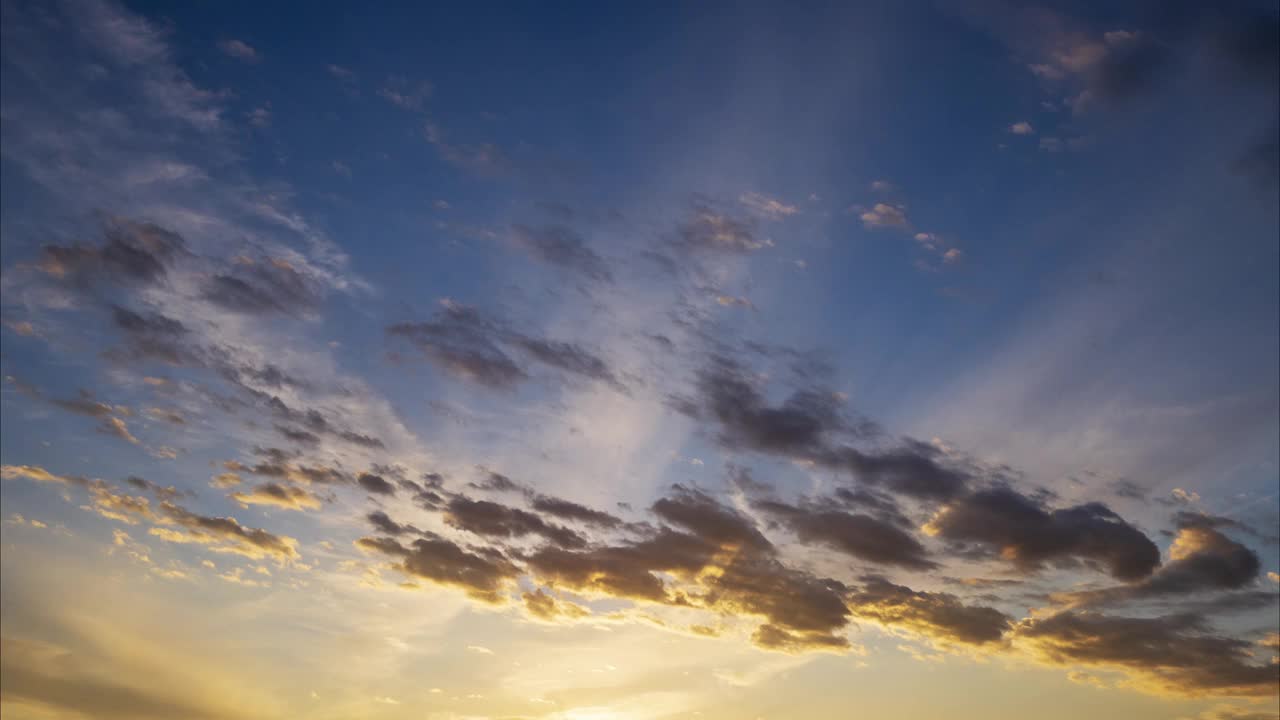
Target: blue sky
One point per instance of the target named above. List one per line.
(682, 264)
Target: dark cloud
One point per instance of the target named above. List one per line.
(858, 536)
(940, 616)
(726, 565)
(914, 469)
(162, 492)
(1132, 66)
(798, 427)
(1202, 559)
(384, 524)
(559, 245)
(132, 253)
(301, 437)
(808, 426)
(570, 358)
(242, 540)
(315, 424)
(490, 519)
(482, 575)
(699, 513)
(1175, 654)
(497, 482)
(544, 606)
(285, 497)
(463, 343)
(375, 484)
(568, 510)
(154, 336)
(85, 405)
(1021, 530)
(263, 287)
(479, 349)
(877, 504)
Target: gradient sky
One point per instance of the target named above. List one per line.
(640, 360)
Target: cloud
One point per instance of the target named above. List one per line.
(771, 208)
(485, 159)
(560, 246)
(1022, 128)
(263, 287)
(285, 497)
(462, 342)
(1201, 559)
(859, 536)
(1024, 532)
(224, 534)
(808, 426)
(710, 231)
(402, 93)
(1174, 655)
(938, 616)
(491, 519)
(239, 50)
(132, 253)
(384, 524)
(478, 349)
(483, 576)
(884, 215)
(545, 607)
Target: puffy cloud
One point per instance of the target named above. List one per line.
(856, 535)
(239, 50)
(1022, 128)
(1024, 532)
(490, 519)
(808, 426)
(285, 497)
(1201, 559)
(884, 215)
(465, 343)
(710, 231)
(939, 616)
(484, 575)
(1174, 654)
(771, 208)
(544, 606)
(224, 534)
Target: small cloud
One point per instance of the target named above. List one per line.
(882, 186)
(1051, 144)
(1048, 72)
(341, 74)
(1274, 577)
(1119, 37)
(342, 168)
(733, 301)
(441, 205)
(406, 95)
(769, 207)
(1185, 497)
(480, 649)
(23, 328)
(952, 256)
(1022, 128)
(239, 50)
(259, 117)
(883, 215)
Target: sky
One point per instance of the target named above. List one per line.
(635, 361)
